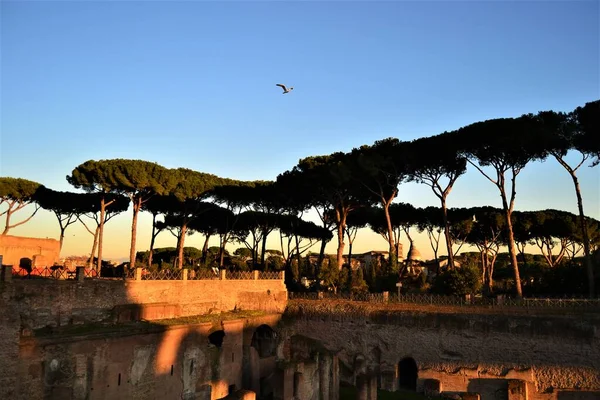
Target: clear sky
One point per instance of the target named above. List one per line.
(192, 84)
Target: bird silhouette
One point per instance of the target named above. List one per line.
(285, 89)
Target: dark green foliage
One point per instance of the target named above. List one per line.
(16, 193)
(458, 281)
(163, 257)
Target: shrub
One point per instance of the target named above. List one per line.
(458, 281)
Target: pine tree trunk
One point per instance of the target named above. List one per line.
(586, 240)
(341, 224)
(447, 234)
(512, 250)
(393, 257)
(137, 204)
(7, 225)
(151, 252)
(205, 249)
(180, 246)
(101, 234)
(94, 247)
(262, 252)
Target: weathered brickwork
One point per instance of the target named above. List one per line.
(43, 303)
(177, 362)
(44, 252)
(467, 353)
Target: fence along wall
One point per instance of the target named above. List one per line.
(51, 302)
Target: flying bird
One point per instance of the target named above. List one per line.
(285, 89)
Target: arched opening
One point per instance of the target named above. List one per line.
(408, 374)
(264, 340)
(216, 338)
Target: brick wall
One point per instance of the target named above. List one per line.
(475, 351)
(47, 302)
(13, 248)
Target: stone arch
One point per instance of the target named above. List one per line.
(216, 338)
(264, 340)
(408, 372)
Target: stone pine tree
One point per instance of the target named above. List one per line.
(379, 169)
(16, 194)
(506, 146)
(436, 161)
(190, 189)
(331, 185)
(577, 131)
(137, 179)
(100, 208)
(66, 206)
(156, 205)
(233, 196)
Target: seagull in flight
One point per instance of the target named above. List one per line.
(285, 89)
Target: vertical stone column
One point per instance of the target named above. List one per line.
(254, 370)
(6, 273)
(299, 386)
(517, 389)
(255, 274)
(184, 274)
(372, 387)
(324, 376)
(223, 274)
(80, 274)
(334, 392)
(362, 387)
(138, 274)
(284, 383)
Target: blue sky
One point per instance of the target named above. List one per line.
(193, 84)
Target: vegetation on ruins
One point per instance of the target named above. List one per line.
(351, 191)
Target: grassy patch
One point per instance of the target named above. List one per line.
(140, 326)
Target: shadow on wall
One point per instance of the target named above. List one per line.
(93, 340)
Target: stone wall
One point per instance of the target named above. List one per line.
(30, 304)
(45, 252)
(553, 355)
(48, 302)
(175, 362)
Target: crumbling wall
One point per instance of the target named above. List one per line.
(466, 352)
(43, 252)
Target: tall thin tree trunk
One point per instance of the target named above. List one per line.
(205, 249)
(512, 250)
(7, 226)
(94, 247)
(341, 224)
(151, 252)
(222, 251)
(393, 256)
(62, 238)
(101, 234)
(586, 239)
(180, 246)
(447, 233)
(262, 252)
(137, 204)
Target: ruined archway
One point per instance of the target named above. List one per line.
(216, 338)
(264, 340)
(408, 373)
